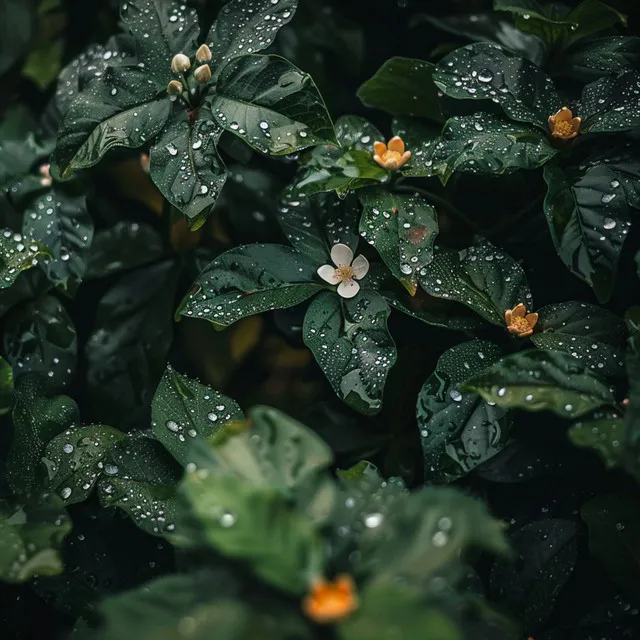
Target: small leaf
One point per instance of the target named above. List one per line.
(75, 460)
(184, 409)
(603, 435)
(17, 254)
(487, 72)
(481, 277)
(459, 431)
(403, 86)
(402, 228)
(31, 534)
(37, 419)
(612, 103)
(40, 337)
(248, 280)
(536, 380)
(272, 105)
(591, 334)
(352, 345)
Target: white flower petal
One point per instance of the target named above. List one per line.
(328, 274)
(341, 254)
(360, 267)
(348, 288)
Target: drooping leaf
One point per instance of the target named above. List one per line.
(588, 211)
(459, 431)
(590, 59)
(402, 228)
(481, 277)
(352, 345)
(247, 26)
(248, 280)
(271, 104)
(403, 86)
(62, 224)
(591, 334)
(37, 419)
(185, 164)
(16, 255)
(132, 333)
(604, 435)
(523, 8)
(75, 458)
(536, 380)
(485, 71)
(40, 337)
(184, 409)
(612, 103)
(31, 534)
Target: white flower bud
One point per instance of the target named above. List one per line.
(180, 63)
(202, 74)
(203, 54)
(175, 88)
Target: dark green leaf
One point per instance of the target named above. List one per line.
(6, 387)
(604, 435)
(481, 277)
(16, 255)
(535, 380)
(63, 224)
(591, 59)
(255, 525)
(31, 534)
(18, 22)
(247, 26)
(590, 334)
(19, 157)
(124, 246)
(528, 8)
(249, 280)
(592, 16)
(126, 352)
(402, 228)
(161, 28)
(122, 108)
(588, 211)
(37, 419)
(459, 430)
(184, 409)
(75, 460)
(420, 138)
(403, 86)
(40, 337)
(487, 72)
(612, 103)
(352, 345)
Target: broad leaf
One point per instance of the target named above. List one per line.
(524, 8)
(160, 28)
(487, 72)
(185, 164)
(536, 380)
(481, 277)
(254, 525)
(16, 255)
(588, 211)
(592, 16)
(126, 351)
(62, 224)
(352, 345)
(122, 108)
(249, 280)
(459, 431)
(37, 419)
(402, 228)
(18, 22)
(403, 86)
(40, 337)
(603, 435)
(612, 103)
(140, 477)
(184, 409)
(590, 334)
(75, 459)
(271, 104)
(31, 534)
(247, 26)
(591, 59)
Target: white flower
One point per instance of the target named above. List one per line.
(346, 271)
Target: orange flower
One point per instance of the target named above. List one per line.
(519, 322)
(563, 125)
(331, 601)
(393, 156)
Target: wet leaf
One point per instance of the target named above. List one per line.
(352, 345)
(603, 435)
(612, 103)
(6, 387)
(537, 380)
(590, 59)
(17, 254)
(459, 431)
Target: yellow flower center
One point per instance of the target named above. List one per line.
(519, 325)
(562, 129)
(392, 159)
(344, 272)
